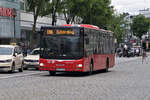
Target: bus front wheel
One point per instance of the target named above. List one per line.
(52, 73)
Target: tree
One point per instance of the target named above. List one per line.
(117, 25)
(37, 7)
(96, 12)
(52, 8)
(71, 10)
(140, 25)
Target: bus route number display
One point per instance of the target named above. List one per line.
(50, 32)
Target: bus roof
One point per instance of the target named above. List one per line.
(73, 25)
(83, 25)
(77, 26)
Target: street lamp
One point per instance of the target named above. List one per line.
(14, 14)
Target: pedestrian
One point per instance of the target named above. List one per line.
(144, 55)
(28, 51)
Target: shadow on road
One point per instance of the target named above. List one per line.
(75, 74)
(6, 72)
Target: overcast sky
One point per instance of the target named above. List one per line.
(130, 6)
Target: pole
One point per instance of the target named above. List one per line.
(14, 14)
(14, 40)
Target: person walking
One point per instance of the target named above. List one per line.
(144, 55)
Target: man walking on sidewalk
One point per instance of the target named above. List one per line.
(144, 55)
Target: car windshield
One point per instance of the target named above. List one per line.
(6, 51)
(35, 52)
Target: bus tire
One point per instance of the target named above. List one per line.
(107, 65)
(91, 68)
(52, 73)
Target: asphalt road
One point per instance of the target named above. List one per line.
(128, 80)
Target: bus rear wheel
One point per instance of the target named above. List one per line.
(107, 65)
(91, 69)
(52, 73)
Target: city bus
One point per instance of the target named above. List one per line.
(76, 48)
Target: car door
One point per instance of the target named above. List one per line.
(16, 58)
(20, 56)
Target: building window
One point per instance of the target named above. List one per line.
(22, 6)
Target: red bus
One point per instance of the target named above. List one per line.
(79, 48)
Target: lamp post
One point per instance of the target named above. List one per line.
(14, 14)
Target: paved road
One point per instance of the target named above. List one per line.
(128, 80)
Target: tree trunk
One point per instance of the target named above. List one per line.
(53, 19)
(33, 35)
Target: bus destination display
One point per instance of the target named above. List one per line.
(60, 32)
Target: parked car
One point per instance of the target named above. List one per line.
(32, 59)
(11, 58)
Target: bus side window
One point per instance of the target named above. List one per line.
(87, 40)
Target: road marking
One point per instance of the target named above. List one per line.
(20, 75)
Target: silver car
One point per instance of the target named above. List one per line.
(32, 59)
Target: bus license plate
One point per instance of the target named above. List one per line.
(60, 69)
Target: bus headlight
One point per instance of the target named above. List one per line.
(41, 64)
(79, 65)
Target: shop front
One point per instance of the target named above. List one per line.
(9, 21)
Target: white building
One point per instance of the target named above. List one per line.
(145, 12)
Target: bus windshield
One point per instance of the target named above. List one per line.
(62, 47)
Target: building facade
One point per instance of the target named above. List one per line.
(9, 21)
(20, 26)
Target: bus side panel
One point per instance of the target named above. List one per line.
(112, 60)
(100, 61)
(86, 64)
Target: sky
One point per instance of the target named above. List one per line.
(130, 6)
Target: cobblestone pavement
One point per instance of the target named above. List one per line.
(128, 80)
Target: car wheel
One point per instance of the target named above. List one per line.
(37, 68)
(25, 68)
(12, 68)
(21, 69)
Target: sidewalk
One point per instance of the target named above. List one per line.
(120, 60)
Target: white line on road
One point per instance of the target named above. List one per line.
(20, 75)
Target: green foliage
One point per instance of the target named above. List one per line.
(96, 12)
(51, 8)
(37, 7)
(71, 9)
(140, 25)
(117, 25)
